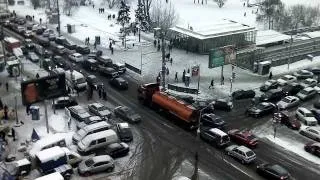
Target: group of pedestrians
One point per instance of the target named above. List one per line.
(87, 41)
(101, 10)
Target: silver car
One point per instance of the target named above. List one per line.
(306, 93)
(99, 109)
(96, 164)
(311, 132)
(310, 82)
(288, 102)
(242, 153)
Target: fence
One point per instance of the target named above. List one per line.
(183, 89)
(132, 68)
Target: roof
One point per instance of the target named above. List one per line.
(291, 97)
(11, 40)
(23, 162)
(244, 149)
(97, 105)
(270, 36)
(92, 60)
(51, 153)
(308, 89)
(96, 125)
(313, 34)
(101, 158)
(52, 176)
(123, 125)
(218, 131)
(99, 135)
(215, 29)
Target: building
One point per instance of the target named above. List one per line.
(201, 38)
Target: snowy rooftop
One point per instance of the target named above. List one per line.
(214, 29)
(47, 154)
(313, 34)
(270, 36)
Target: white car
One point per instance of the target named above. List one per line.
(242, 153)
(306, 93)
(286, 79)
(306, 116)
(308, 83)
(311, 132)
(317, 88)
(288, 102)
(76, 57)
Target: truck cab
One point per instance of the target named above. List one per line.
(145, 91)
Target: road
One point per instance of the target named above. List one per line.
(166, 144)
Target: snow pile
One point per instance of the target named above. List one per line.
(58, 123)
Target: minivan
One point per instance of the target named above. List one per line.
(105, 61)
(97, 140)
(214, 136)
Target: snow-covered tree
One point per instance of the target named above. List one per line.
(35, 3)
(112, 3)
(146, 9)
(70, 6)
(124, 18)
(163, 15)
(141, 17)
(220, 3)
(268, 10)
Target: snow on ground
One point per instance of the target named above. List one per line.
(187, 168)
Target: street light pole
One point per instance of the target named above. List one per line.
(59, 28)
(163, 71)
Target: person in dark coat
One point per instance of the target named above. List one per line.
(7, 86)
(155, 43)
(28, 109)
(1, 104)
(171, 61)
(100, 92)
(6, 112)
(104, 94)
(111, 50)
(270, 75)
(13, 132)
(158, 47)
(211, 84)
(176, 77)
(37, 76)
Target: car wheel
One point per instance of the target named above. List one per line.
(87, 174)
(109, 169)
(242, 161)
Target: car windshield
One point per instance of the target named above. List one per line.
(286, 100)
(89, 162)
(309, 115)
(251, 137)
(81, 80)
(102, 108)
(81, 132)
(249, 153)
(279, 169)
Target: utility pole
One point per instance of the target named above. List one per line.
(46, 115)
(59, 28)
(163, 71)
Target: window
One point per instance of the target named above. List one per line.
(102, 140)
(92, 143)
(99, 164)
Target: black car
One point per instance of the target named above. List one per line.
(60, 40)
(94, 82)
(33, 57)
(316, 114)
(78, 113)
(315, 70)
(63, 102)
(90, 64)
(108, 71)
(243, 94)
(124, 132)
(121, 68)
(127, 114)
(48, 64)
(313, 148)
(272, 95)
(60, 62)
(116, 150)
(273, 171)
(261, 109)
(69, 45)
(83, 49)
(270, 84)
(119, 83)
(212, 120)
(291, 89)
(222, 104)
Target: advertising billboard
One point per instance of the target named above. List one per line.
(48, 87)
(216, 58)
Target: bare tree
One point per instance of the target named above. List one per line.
(220, 3)
(268, 9)
(163, 15)
(146, 10)
(70, 6)
(112, 3)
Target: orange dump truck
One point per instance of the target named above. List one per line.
(150, 95)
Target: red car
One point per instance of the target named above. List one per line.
(244, 137)
(284, 118)
(313, 148)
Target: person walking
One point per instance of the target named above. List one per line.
(37, 75)
(270, 75)
(5, 112)
(167, 71)
(155, 43)
(222, 80)
(100, 92)
(13, 132)
(7, 86)
(111, 50)
(104, 94)
(171, 61)
(176, 77)
(211, 84)
(28, 109)
(158, 47)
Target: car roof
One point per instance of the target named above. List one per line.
(278, 168)
(95, 118)
(120, 79)
(114, 145)
(316, 144)
(123, 125)
(265, 103)
(96, 125)
(313, 128)
(308, 89)
(246, 133)
(98, 135)
(218, 131)
(290, 97)
(288, 76)
(244, 149)
(119, 64)
(92, 76)
(63, 98)
(303, 109)
(97, 105)
(101, 158)
(92, 60)
(304, 71)
(77, 54)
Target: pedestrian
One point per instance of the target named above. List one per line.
(7, 86)
(111, 50)
(13, 132)
(95, 45)
(85, 41)
(158, 41)
(1, 104)
(158, 79)
(40, 20)
(245, 14)
(184, 77)
(244, 4)
(158, 47)
(104, 94)
(270, 75)
(110, 45)
(88, 40)
(5, 111)
(211, 84)
(33, 17)
(100, 92)
(167, 71)
(93, 6)
(155, 43)
(37, 76)
(171, 61)
(222, 80)
(176, 77)
(188, 70)
(28, 109)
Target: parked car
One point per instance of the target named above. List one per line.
(291, 89)
(99, 109)
(241, 153)
(303, 74)
(47, 32)
(60, 62)
(309, 82)
(315, 70)
(88, 121)
(270, 84)
(78, 113)
(316, 113)
(313, 148)
(284, 118)
(317, 88)
(124, 132)
(52, 37)
(65, 170)
(95, 54)
(288, 102)
(116, 150)
(48, 65)
(103, 163)
(305, 116)
(127, 114)
(63, 102)
(273, 171)
(33, 57)
(214, 136)
(286, 79)
(261, 109)
(243, 94)
(76, 57)
(90, 64)
(222, 104)
(213, 121)
(108, 71)
(121, 68)
(311, 132)
(94, 82)
(243, 137)
(119, 83)
(83, 49)
(28, 34)
(272, 96)
(306, 93)
(316, 104)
